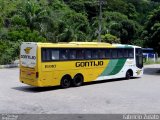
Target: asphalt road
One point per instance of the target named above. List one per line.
(138, 95)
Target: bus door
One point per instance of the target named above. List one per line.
(139, 58)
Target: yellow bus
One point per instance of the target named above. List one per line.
(73, 63)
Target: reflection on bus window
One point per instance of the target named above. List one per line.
(88, 54)
(72, 54)
(80, 54)
(64, 54)
(95, 54)
(55, 55)
(102, 54)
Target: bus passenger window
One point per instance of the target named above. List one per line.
(46, 54)
(63, 54)
(102, 54)
(80, 54)
(108, 53)
(72, 54)
(114, 53)
(120, 53)
(55, 55)
(125, 53)
(88, 54)
(130, 53)
(95, 54)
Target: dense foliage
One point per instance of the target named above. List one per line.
(123, 21)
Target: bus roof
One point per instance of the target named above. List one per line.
(81, 44)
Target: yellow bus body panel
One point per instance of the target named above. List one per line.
(52, 76)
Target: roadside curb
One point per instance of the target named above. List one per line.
(9, 66)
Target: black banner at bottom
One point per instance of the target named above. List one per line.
(79, 116)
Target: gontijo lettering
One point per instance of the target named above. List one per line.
(90, 63)
(28, 57)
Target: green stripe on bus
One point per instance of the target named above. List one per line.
(118, 66)
(110, 67)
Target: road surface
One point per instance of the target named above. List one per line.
(138, 95)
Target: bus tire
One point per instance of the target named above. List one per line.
(66, 81)
(128, 74)
(77, 80)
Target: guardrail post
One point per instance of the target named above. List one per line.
(147, 57)
(154, 58)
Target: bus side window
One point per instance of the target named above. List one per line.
(80, 53)
(108, 53)
(125, 53)
(43, 54)
(88, 54)
(54, 54)
(95, 54)
(72, 54)
(120, 53)
(130, 53)
(46, 54)
(114, 53)
(63, 54)
(101, 53)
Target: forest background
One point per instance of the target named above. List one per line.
(135, 22)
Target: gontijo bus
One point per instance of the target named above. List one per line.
(66, 64)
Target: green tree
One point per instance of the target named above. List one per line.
(34, 15)
(118, 25)
(110, 38)
(152, 33)
(73, 27)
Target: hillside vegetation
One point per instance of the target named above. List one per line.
(134, 22)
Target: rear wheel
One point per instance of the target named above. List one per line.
(77, 80)
(65, 82)
(128, 75)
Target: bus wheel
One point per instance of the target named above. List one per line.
(128, 75)
(66, 82)
(77, 80)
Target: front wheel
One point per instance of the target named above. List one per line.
(128, 75)
(65, 82)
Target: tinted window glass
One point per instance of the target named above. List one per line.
(102, 54)
(49, 54)
(130, 53)
(95, 54)
(80, 54)
(125, 53)
(114, 53)
(46, 54)
(54, 54)
(108, 53)
(120, 53)
(88, 54)
(72, 54)
(139, 58)
(64, 54)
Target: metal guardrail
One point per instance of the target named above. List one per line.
(9, 66)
